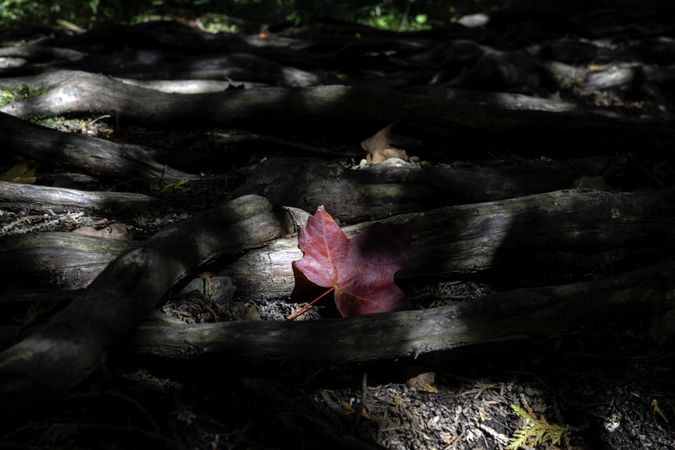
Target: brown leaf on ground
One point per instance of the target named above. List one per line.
(422, 381)
(382, 145)
(112, 231)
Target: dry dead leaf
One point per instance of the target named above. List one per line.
(351, 409)
(423, 381)
(20, 173)
(382, 145)
(112, 231)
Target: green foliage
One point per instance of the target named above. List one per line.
(57, 122)
(390, 14)
(176, 186)
(6, 96)
(20, 92)
(215, 14)
(534, 431)
(218, 23)
(93, 6)
(35, 11)
(19, 10)
(80, 12)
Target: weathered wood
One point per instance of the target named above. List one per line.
(324, 106)
(94, 155)
(183, 86)
(544, 311)
(545, 238)
(39, 81)
(239, 67)
(188, 75)
(20, 308)
(392, 188)
(541, 312)
(35, 197)
(189, 86)
(38, 51)
(62, 260)
(75, 341)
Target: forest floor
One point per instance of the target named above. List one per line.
(515, 108)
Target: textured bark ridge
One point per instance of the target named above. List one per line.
(536, 312)
(547, 238)
(53, 359)
(500, 239)
(441, 114)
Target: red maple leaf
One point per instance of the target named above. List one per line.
(360, 271)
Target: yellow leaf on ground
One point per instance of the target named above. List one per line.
(20, 173)
(422, 381)
(657, 410)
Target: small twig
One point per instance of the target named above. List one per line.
(105, 116)
(499, 437)
(362, 403)
(647, 171)
(309, 305)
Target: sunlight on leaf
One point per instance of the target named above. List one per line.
(360, 271)
(534, 431)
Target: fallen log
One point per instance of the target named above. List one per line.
(336, 107)
(544, 311)
(239, 67)
(34, 197)
(52, 259)
(517, 314)
(35, 52)
(555, 237)
(392, 187)
(41, 81)
(93, 155)
(75, 342)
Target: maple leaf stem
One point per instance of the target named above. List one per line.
(309, 305)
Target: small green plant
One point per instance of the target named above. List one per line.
(534, 431)
(218, 23)
(56, 122)
(390, 18)
(175, 186)
(6, 97)
(20, 92)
